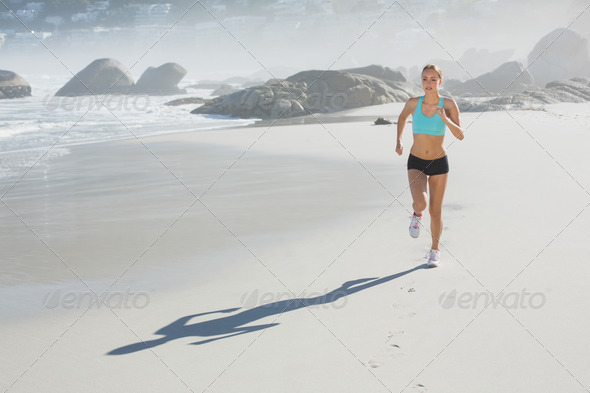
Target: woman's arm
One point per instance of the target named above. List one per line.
(401, 123)
(452, 120)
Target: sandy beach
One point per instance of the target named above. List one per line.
(276, 258)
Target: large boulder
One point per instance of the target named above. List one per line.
(162, 80)
(561, 54)
(266, 101)
(187, 101)
(224, 90)
(309, 92)
(355, 89)
(509, 78)
(380, 72)
(99, 77)
(575, 90)
(13, 86)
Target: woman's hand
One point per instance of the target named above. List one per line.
(452, 121)
(399, 149)
(443, 114)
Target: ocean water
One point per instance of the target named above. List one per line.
(45, 126)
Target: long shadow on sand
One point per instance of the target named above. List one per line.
(233, 325)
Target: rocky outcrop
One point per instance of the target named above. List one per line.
(187, 101)
(109, 76)
(509, 78)
(99, 77)
(561, 54)
(576, 90)
(162, 80)
(13, 86)
(378, 71)
(382, 122)
(359, 90)
(309, 92)
(265, 101)
(224, 90)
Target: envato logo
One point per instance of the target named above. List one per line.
(314, 102)
(508, 300)
(331, 299)
(107, 103)
(114, 300)
(323, 101)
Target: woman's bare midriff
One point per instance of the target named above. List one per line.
(428, 147)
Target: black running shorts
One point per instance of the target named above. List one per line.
(439, 166)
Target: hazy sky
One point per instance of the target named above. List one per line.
(394, 38)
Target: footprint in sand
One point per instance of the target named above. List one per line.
(392, 349)
(375, 363)
(395, 333)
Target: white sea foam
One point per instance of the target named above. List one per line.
(36, 124)
(14, 164)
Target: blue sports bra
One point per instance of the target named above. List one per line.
(428, 125)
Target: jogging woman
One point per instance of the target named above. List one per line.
(428, 166)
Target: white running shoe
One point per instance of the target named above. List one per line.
(415, 226)
(433, 258)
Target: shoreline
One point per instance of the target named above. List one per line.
(168, 144)
(304, 210)
(245, 187)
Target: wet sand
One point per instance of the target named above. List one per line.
(277, 258)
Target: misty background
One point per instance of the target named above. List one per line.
(261, 39)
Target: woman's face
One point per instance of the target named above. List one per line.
(430, 81)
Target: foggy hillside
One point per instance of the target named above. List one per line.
(217, 39)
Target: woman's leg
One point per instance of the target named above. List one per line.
(418, 182)
(437, 185)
